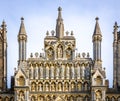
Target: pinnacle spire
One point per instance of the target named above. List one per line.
(22, 27)
(97, 27)
(59, 25)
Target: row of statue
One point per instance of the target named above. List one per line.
(63, 72)
(59, 86)
(66, 98)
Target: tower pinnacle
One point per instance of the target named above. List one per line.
(59, 25)
(97, 27)
(22, 38)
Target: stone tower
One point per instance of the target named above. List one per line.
(3, 57)
(116, 57)
(22, 39)
(98, 73)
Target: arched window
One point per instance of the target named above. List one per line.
(21, 81)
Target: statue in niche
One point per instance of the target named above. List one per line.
(60, 51)
(50, 53)
(98, 96)
(53, 87)
(21, 96)
(57, 72)
(33, 87)
(41, 72)
(72, 72)
(33, 99)
(59, 86)
(69, 53)
(47, 87)
(40, 86)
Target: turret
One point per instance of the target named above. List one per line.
(59, 25)
(115, 40)
(22, 40)
(97, 38)
(3, 56)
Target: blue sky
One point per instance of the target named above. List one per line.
(78, 15)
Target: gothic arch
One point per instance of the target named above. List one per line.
(40, 98)
(60, 86)
(59, 99)
(50, 53)
(66, 86)
(71, 98)
(99, 80)
(113, 98)
(1, 98)
(6, 99)
(21, 81)
(21, 95)
(33, 98)
(33, 86)
(79, 98)
(86, 86)
(107, 98)
(73, 86)
(69, 53)
(118, 98)
(40, 86)
(98, 95)
(47, 86)
(11, 99)
(53, 86)
(87, 98)
(60, 51)
(79, 86)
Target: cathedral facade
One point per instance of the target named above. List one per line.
(59, 74)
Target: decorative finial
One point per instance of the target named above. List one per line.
(71, 32)
(116, 25)
(59, 9)
(22, 18)
(47, 33)
(3, 24)
(96, 18)
(52, 32)
(31, 55)
(67, 33)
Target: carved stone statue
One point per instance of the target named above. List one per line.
(98, 96)
(60, 52)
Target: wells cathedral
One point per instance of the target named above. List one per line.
(59, 74)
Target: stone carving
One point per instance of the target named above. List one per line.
(60, 51)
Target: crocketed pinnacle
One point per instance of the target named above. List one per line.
(97, 27)
(59, 25)
(22, 27)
